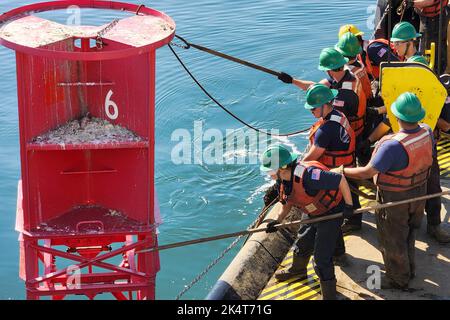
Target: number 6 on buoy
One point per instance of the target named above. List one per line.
(111, 104)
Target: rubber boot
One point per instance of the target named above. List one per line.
(299, 268)
(328, 289)
(438, 233)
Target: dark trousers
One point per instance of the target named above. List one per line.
(397, 232)
(356, 219)
(433, 206)
(320, 239)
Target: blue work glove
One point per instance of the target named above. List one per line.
(348, 211)
(363, 147)
(285, 77)
(271, 226)
(372, 112)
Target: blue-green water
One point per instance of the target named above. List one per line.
(199, 200)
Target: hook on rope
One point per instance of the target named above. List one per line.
(186, 45)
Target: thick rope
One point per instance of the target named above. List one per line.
(293, 223)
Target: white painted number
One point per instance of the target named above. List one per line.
(109, 104)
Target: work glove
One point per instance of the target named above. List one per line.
(364, 147)
(271, 226)
(285, 77)
(348, 211)
(271, 195)
(372, 112)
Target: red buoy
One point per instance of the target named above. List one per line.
(86, 100)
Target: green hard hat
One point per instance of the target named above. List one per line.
(276, 157)
(348, 45)
(331, 59)
(404, 31)
(319, 94)
(408, 108)
(419, 59)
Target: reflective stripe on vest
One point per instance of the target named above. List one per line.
(418, 147)
(433, 9)
(361, 74)
(334, 159)
(324, 201)
(357, 121)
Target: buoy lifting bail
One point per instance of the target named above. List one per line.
(23, 32)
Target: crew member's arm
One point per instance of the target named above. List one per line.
(345, 190)
(283, 212)
(321, 142)
(314, 153)
(360, 173)
(303, 84)
(443, 125)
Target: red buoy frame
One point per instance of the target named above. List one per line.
(86, 198)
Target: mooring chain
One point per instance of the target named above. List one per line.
(209, 267)
(220, 257)
(105, 30)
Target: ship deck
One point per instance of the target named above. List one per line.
(432, 279)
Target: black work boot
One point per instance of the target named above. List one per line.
(388, 283)
(438, 233)
(349, 227)
(341, 260)
(328, 289)
(299, 268)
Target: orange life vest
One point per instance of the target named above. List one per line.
(418, 146)
(334, 159)
(356, 121)
(319, 204)
(362, 75)
(433, 9)
(375, 70)
(363, 59)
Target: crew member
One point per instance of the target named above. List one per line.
(350, 48)
(310, 186)
(429, 11)
(332, 141)
(433, 205)
(403, 37)
(363, 44)
(350, 99)
(399, 175)
(402, 10)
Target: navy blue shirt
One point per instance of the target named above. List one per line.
(379, 52)
(346, 100)
(391, 156)
(314, 180)
(331, 135)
